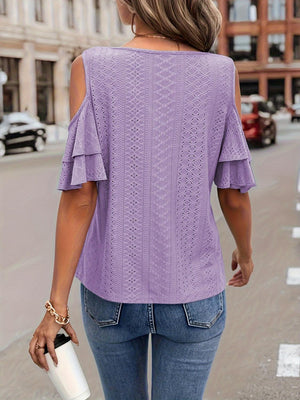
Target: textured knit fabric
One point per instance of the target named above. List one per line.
(154, 130)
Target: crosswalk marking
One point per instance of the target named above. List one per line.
(293, 276)
(296, 233)
(298, 206)
(289, 360)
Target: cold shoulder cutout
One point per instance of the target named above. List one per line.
(82, 159)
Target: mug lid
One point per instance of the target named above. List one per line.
(60, 339)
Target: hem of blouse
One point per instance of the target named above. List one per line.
(80, 155)
(248, 186)
(69, 187)
(82, 278)
(244, 158)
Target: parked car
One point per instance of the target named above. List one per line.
(20, 129)
(258, 124)
(294, 110)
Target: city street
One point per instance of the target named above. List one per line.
(262, 316)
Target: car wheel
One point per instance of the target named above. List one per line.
(266, 138)
(2, 148)
(274, 134)
(39, 144)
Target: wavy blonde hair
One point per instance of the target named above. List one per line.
(195, 22)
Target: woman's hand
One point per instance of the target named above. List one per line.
(45, 334)
(246, 265)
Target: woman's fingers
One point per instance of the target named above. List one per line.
(235, 277)
(241, 277)
(234, 265)
(32, 350)
(70, 331)
(239, 280)
(44, 334)
(42, 362)
(37, 354)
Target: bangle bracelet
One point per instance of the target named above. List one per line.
(58, 318)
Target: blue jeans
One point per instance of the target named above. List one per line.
(185, 338)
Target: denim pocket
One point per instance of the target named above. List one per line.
(103, 312)
(204, 313)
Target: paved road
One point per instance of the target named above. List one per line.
(261, 316)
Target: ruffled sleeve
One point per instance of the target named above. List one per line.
(234, 168)
(82, 160)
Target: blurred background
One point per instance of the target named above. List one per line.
(259, 355)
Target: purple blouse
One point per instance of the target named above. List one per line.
(155, 130)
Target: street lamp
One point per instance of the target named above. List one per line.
(3, 80)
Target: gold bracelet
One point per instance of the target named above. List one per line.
(58, 318)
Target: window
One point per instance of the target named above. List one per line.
(296, 90)
(242, 10)
(249, 86)
(11, 96)
(45, 90)
(296, 47)
(276, 92)
(3, 10)
(276, 10)
(276, 46)
(297, 8)
(119, 24)
(70, 13)
(214, 47)
(39, 11)
(97, 15)
(243, 47)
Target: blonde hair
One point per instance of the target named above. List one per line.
(195, 22)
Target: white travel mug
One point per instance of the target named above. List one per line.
(67, 377)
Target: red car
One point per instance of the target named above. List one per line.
(258, 125)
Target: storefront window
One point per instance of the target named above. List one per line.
(276, 92)
(243, 47)
(249, 87)
(296, 90)
(276, 46)
(45, 90)
(11, 96)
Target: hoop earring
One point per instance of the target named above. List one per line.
(132, 19)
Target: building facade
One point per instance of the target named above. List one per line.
(39, 39)
(263, 38)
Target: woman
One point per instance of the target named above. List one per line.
(153, 124)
